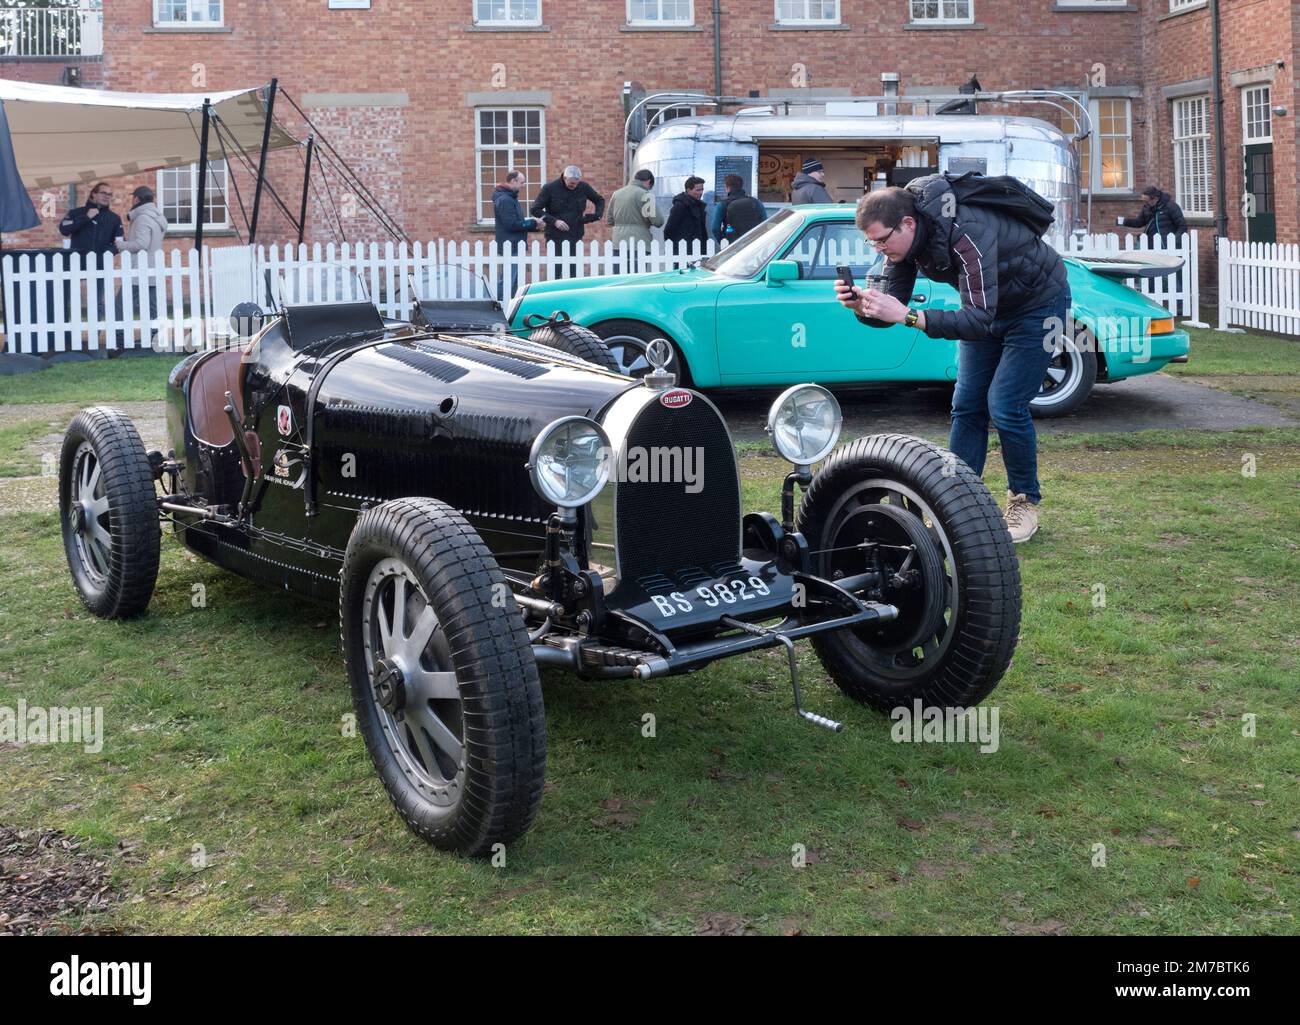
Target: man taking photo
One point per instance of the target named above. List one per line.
(1014, 299)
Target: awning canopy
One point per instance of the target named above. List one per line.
(65, 136)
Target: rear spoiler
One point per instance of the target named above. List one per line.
(1124, 265)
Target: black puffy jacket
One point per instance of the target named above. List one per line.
(997, 264)
(1161, 218)
(557, 202)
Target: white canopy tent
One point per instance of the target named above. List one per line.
(70, 136)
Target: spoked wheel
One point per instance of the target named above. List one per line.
(629, 340)
(1068, 381)
(921, 520)
(444, 682)
(415, 690)
(109, 514)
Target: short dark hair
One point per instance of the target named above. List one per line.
(1151, 190)
(734, 181)
(514, 173)
(886, 207)
(692, 181)
(644, 176)
(99, 185)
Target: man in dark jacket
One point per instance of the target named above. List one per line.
(562, 206)
(737, 213)
(1015, 297)
(1160, 215)
(686, 220)
(511, 227)
(94, 228)
(810, 184)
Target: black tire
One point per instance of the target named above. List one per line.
(486, 696)
(574, 340)
(1069, 380)
(962, 617)
(628, 339)
(109, 513)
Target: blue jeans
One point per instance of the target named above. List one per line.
(996, 380)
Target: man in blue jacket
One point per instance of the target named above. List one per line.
(94, 228)
(512, 227)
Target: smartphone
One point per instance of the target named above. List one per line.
(845, 274)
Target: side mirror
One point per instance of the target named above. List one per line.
(781, 270)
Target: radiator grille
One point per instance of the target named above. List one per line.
(661, 527)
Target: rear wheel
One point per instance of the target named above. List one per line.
(920, 518)
(444, 682)
(1068, 382)
(574, 340)
(109, 513)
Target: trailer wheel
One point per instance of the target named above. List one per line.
(443, 678)
(109, 513)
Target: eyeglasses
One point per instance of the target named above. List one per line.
(879, 243)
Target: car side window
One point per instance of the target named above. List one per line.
(804, 251)
(844, 243)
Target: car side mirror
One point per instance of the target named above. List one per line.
(781, 270)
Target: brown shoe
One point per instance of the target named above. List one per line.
(1021, 516)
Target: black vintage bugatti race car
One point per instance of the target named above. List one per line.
(481, 504)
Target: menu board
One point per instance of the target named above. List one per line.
(723, 166)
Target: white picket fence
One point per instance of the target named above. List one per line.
(56, 309)
(1179, 293)
(1259, 286)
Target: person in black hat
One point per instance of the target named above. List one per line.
(810, 184)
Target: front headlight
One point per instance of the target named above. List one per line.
(805, 423)
(570, 461)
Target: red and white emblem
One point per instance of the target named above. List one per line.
(284, 421)
(677, 398)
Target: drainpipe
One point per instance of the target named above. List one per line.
(717, 47)
(1221, 204)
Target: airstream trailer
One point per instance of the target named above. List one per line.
(859, 152)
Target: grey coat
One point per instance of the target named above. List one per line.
(808, 189)
(147, 231)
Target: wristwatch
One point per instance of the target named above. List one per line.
(912, 317)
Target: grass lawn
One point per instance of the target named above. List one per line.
(1125, 795)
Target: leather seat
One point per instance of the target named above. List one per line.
(209, 383)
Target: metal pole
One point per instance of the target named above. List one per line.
(306, 180)
(202, 198)
(261, 164)
(1216, 97)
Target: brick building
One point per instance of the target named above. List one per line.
(430, 101)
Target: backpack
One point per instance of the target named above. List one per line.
(739, 214)
(1007, 195)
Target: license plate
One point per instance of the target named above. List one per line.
(718, 595)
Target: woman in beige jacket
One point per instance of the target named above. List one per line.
(146, 234)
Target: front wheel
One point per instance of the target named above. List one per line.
(921, 520)
(443, 678)
(109, 512)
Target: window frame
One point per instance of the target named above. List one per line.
(479, 148)
(804, 22)
(189, 7)
(652, 111)
(349, 5)
(661, 22)
(223, 190)
(507, 22)
(1246, 138)
(1184, 200)
(1178, 6)
(1095, 186)
(940, 19)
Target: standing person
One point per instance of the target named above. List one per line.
(511, 227)
(686, 220)
(1160, 215)
(810, 184)
(148, 229)
(736, 213)
(94, 228)
(562, 206)
(633, 212)
(1014, 300)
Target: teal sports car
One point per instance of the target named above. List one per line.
(763, 313)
